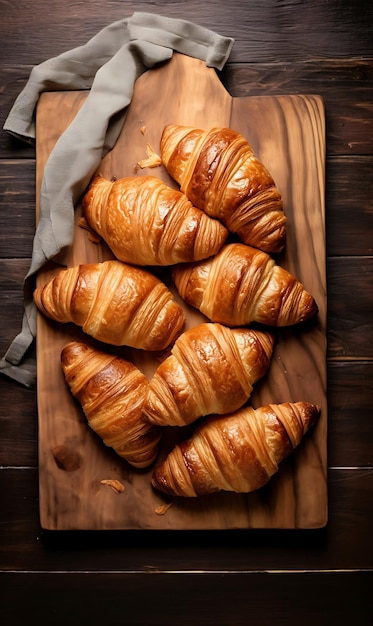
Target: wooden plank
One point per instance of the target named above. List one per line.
(216, 598)
(351, 307)
(296, 497)
(17, 208)
(350, 398)
(12, 273)
(344, 84)
(350, 206)
(12, 81)
(344, 544)
(266, 31)
(19, 425)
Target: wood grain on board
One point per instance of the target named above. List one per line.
(288, 135)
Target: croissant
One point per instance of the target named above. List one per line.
(242, 284)
(211, 369)
(238, 452)
(114, 303)
(220, 174)
(145, 222)
(111, 391)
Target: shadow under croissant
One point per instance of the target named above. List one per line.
(262, 503)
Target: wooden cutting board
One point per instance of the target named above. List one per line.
(288, 135)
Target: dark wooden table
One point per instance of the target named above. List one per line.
(223, 577)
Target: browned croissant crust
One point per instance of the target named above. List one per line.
(114, 303)
(220, 174)
(212, 369)
(237, 452)
(111, 391)
(145, 222)
(242, 284)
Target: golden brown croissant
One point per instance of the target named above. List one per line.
(212, 369)
(219, 173)
(111, 391)
(242, 284)
(237, 452)
(114, 303)
(145, 222)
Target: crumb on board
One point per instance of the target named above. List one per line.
(163, 508)
(116, 485)
(92, 235)
(152, 160)
(142, 130)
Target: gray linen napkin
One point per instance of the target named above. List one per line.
(108, 65)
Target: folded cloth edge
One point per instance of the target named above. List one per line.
(215, 49)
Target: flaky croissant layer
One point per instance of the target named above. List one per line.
(240, 285)
(115, 303)
(111, 391)
(145, 222)
(237, 452)
(211, 369)
(218, 171)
